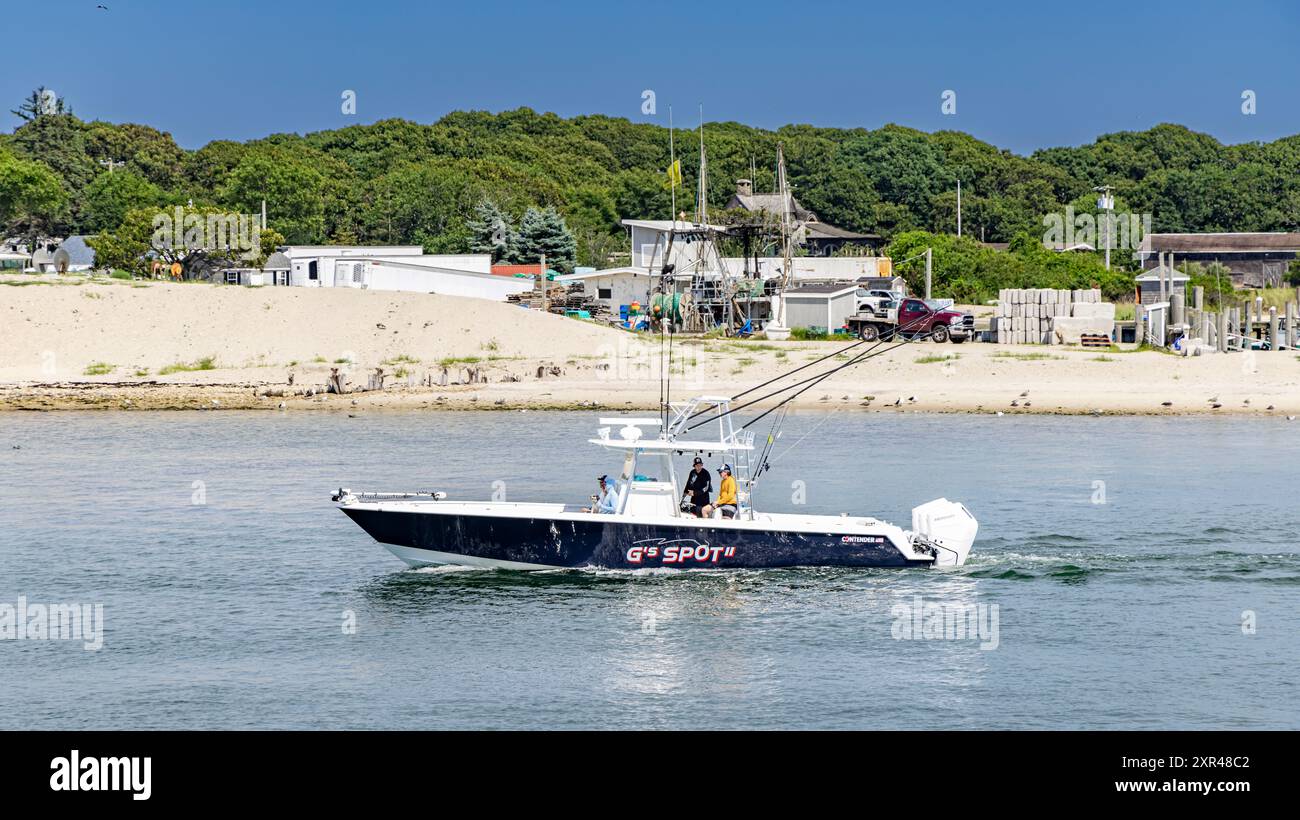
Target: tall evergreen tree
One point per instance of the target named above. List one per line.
(41, 101)
(491, 231)
(543, 231)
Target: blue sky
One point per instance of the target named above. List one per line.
(1026, 74)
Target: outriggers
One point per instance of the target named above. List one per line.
(648, 528)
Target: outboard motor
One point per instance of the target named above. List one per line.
(946, 528)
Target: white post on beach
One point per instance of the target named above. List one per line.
(1273, 342)
(541, 278)
(1223, 330)
(1160, 277)
(1290, 325)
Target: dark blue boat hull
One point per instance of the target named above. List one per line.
(621, 545)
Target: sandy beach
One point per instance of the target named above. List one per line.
(73, 343)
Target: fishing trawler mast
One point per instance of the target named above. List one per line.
(777, 330)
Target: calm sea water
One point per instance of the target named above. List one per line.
(231, 613)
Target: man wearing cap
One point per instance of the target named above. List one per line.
(726, 495)
(607, 499)
(699, 484)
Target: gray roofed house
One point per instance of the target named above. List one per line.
(277, 261)
(1148, 283)
(821, 239)
(750, 201)
(1254, 259)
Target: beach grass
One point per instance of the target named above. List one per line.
(933, 358)
(98, 369)
(400, 359)
(1024, 357)
(206, 363)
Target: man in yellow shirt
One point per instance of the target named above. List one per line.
(726, 501)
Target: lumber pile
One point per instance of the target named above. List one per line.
(560, 299)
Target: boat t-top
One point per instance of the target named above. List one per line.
(648, 526)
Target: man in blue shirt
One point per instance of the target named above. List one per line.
(606, 499)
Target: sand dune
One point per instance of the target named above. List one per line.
(108, 343)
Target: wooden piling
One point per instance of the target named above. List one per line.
(1223, 330)
(1273, 342)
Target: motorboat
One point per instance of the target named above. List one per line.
(647, 527)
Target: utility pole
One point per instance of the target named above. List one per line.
(702, 212)
(929, 258)
(111, 164)
(959, 207)
(1106, 202)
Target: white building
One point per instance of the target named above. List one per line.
(615, 286)
(399, 268)
(650, 242)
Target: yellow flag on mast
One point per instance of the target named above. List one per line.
(675, 174)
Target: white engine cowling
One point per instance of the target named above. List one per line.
(947, 526)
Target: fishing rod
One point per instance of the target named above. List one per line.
(768, 446)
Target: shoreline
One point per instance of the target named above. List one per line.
(106, 345)
(73, 396)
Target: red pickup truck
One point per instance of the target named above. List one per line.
(914, 318)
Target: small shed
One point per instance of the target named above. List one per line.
(826, 307)
(616, 288)
(276, 270)
(1148, 284)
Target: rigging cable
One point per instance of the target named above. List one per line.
(859, 358)
(808, 383)
(818, 379)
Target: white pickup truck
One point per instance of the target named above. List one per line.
(877, 302)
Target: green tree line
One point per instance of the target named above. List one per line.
(397, 181)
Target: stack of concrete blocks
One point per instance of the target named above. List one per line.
(1085, 319)
(1029, 316)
